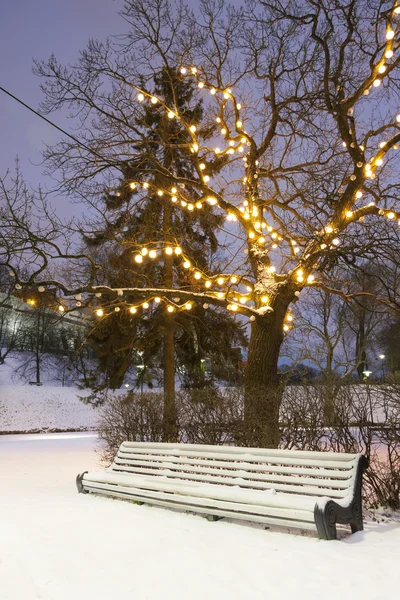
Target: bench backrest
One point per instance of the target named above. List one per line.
(314, 473)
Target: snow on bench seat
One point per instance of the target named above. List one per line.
(291, 488)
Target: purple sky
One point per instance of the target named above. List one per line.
(34, 29)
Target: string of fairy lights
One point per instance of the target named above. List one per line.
(238, 293)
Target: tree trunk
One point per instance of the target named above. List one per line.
(263, 390)
(170, 428)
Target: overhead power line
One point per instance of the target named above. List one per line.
(35, 112)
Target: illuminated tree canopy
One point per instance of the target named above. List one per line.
(296, 146)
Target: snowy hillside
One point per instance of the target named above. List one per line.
(25, 407)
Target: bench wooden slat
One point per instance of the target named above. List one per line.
(246, 458)
(250, 468)
(233, 450)
(230, 477)
(207, 511)
(296, 513)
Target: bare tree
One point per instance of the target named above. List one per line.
(305, 93)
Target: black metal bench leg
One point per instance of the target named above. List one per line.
(357, 523)
(325, 520)
(79, 485)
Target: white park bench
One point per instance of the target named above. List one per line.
(291, 488)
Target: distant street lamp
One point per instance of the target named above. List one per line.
(367, 373)
(382, 357)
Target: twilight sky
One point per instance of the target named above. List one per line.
(34, 29)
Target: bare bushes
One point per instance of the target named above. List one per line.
(210, 416)
(361, 418)
(130, 417)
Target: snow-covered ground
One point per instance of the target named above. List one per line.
(57, 544)
(25, 407)
(31, 408)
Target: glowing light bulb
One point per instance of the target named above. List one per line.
(144, 251)
(174, 199)
(168, 251)
(349, 214)
(238, 106)
(272, 269)
(145, 185)
(178, 250)
(336, 242)
(389, 34)
(212, 91)
(99, 312)
(154, 100)
(183, 70)
(377, 82)
(286, 328)
(359, 194)
(61, 308)
(188, 305)
(226, 95)
(382, 69)
(220, 295)
(234, 307)
(220, 280)
(206, 178)
(199, 205)
(389, 53)
(251, 234)
(170, 309)
(200, 85)
(132, 185)
(192, 128)
(379, 162)
(152, 254)
(145, 305)
(329, 229)
(140, 97)
(195, 147)
(208, 284)
(171, 115)
(239, 124)
(234, 279)
(217, 150)
(398, 118)
(202, 166)
(391, 215)
(160, 193)
(133, 310)
(186, 264)
(197, 275)
(139, 258)
(310, 278)
(264, 299)
(157, 299)
(223, 131)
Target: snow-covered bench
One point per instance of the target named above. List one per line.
(300, 489)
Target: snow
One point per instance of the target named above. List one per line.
(32, 408)
(57, 544)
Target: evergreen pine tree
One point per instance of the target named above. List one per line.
(139, 219)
